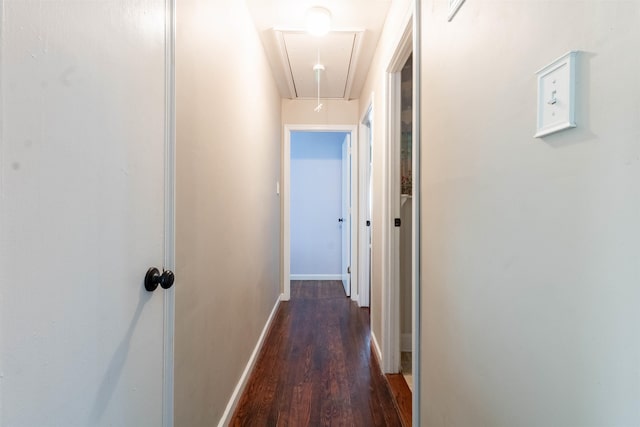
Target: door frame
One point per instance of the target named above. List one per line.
(391, 234)
(286, 201)
(364, 199)
(346, 219)
(409, 42)
(416, 280)
(169, 257)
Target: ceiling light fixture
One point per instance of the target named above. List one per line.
(318, 21)
(317, 69)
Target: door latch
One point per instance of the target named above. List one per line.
(397, 222)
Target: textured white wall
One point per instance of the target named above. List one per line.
(531, 247)
(228, 213)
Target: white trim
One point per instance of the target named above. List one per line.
(284, 61)
(298, 30)
(391, 234)
(355, 55)
(404, 46)
(316, 277)
(281, 32)
(346, 214)
(454, 5)
(364, 183)
(355, 265)
(376, 348)
(416, 138)
(391, 202)
(286, 196)
(244, 378)
(286, 215)
(169, 257)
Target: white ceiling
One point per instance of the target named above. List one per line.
(346, 52)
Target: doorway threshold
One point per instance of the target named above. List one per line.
(402, 397)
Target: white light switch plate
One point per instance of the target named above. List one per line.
(556, 95)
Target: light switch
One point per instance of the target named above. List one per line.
(556, 95)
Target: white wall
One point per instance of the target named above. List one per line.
(316, 203)
(334, 112)
(531, 247)
(228, 213)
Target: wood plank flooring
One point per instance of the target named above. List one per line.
(402, 397)
(316, 367)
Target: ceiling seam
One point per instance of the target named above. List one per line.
(346, 81)
(293, 80)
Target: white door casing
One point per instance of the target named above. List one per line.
(286, 198)
(391, 234)
(86, 191)
(345, 224)
(364, 201)
(408, 42)
(416, 168)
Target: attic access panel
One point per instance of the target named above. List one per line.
(337, 52)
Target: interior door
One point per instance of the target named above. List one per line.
(364, 189)
(346, 214)
(82, 164)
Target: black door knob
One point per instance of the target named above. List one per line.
(153, 278)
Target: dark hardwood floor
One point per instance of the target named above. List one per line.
(402, 397)
(316, 367)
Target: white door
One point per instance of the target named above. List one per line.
(346, 214)
(364, 189)
(82, 185)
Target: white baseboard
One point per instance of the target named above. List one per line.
(406, 343)
(237, 393)
(376, 347)
(315, 277)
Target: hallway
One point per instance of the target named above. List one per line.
(316, 367)
(141, 138)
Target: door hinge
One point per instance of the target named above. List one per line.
(349, 270)
(368, 223)
(397, 222)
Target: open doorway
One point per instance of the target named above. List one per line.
(317, 199)
(398, 225)
(318, 207)
(401, 223)
(405, 261)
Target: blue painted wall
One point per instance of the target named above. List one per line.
(316, 202)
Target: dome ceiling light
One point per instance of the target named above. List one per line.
(318, 21)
